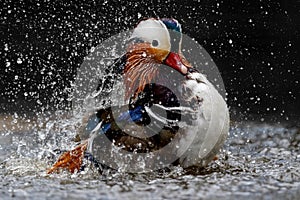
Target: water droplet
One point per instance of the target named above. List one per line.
(39, 102)
(6, 47)
(19, 61)
(144, 54)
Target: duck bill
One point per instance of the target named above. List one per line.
(174, 60)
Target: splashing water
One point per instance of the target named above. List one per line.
(258, 159)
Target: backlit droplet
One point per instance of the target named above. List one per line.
(19, 61)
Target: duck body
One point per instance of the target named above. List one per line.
(210, 127)
(163, 117)
(197, 132)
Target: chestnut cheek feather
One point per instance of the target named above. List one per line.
(141, 66)
(139, 70)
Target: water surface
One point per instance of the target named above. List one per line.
(258, 161)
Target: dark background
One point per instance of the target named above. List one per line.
(42, 44)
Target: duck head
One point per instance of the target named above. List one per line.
(153, 42)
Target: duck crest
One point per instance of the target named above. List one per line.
(175, 32)
(172, 24)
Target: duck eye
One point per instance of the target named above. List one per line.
(155, 43)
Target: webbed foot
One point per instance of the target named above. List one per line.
(70, 160)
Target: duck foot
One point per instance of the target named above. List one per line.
(70, 160)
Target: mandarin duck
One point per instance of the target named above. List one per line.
(169, 114)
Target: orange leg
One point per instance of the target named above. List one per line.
(71, 160)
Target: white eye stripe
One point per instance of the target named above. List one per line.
(153, 30)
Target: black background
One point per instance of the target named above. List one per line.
(260, 68)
